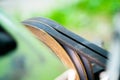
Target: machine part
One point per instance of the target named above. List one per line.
(70, 58)
(89, 47)
(73, 36)
(90, 55)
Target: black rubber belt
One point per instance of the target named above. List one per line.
(73, 36)
(86, 63)
(76, 38)
(92, 56)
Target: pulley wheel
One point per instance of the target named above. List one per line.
(60, 52)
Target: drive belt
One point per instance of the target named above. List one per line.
(63, 39)
(73, 36)
(84, 49)
(89, 47)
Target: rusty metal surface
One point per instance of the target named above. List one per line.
(56, 48)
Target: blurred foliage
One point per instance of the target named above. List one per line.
(89, 7)
(98, 6)
(88, 18)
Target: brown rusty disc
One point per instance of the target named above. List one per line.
(55, 47)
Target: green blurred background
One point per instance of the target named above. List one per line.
(91, 19)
